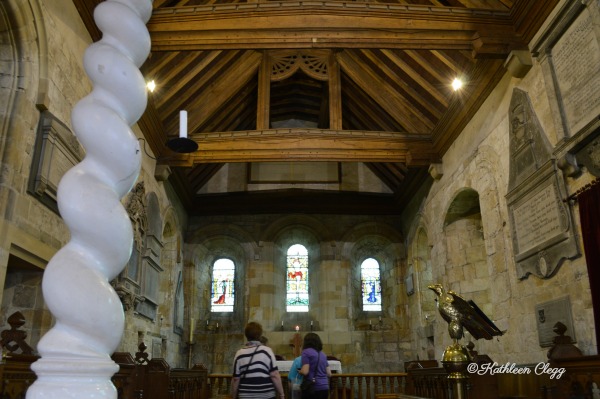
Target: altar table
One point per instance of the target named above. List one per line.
(284, 365)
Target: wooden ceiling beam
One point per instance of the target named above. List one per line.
(307, 145)
(152, 128)
(222, 87)
(180, 76)
(433, 88)
(387, 98)
(320, 24)
(375, 119)
(488, 4)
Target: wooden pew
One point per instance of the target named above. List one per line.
(162, 382)
(580, 379)
(15, 369)
(125, 380)
(140, 378)
(16, 375)
(570, 373)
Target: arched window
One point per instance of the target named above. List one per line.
(370, 277)
(222, 294)
(297, 279)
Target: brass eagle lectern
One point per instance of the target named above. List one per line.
(461, 314)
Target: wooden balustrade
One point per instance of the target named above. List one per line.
(343, 386)
(366, 385)
(219, 385)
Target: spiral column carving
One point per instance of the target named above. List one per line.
(75, 354)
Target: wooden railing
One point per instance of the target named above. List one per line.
(366, 385)
(219, 385)
(431, 382)
(343, 386)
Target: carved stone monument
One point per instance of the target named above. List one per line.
(56, 151)
(541, 223)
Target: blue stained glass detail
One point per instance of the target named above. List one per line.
(370, 285)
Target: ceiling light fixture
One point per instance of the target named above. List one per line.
(151, 85)
(182, 144)
(457, 84)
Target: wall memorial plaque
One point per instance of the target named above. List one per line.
(569, 51)
(56, 151)
(576, 61)
(539, 218)
(541, 223)
(547, 314)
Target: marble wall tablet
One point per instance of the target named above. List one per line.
(541, 223)
(547, 314)
(570, 55)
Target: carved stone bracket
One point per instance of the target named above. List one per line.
(129, 299)
(589, 156)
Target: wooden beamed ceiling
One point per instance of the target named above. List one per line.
(381, 94)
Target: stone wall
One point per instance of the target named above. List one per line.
(337, 245)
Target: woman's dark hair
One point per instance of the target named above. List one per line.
(312, 340)
(253, 331)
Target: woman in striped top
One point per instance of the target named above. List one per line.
(255, 373)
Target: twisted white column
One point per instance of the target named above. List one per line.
(75, 354)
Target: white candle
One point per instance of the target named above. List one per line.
(192, 323)
(370, 322)
(281, 323)
(183, 124)
(311, 322)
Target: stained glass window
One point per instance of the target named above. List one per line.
(222, 294)
(297, 279)
(371, 285)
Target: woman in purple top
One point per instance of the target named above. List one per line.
(315, 366)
